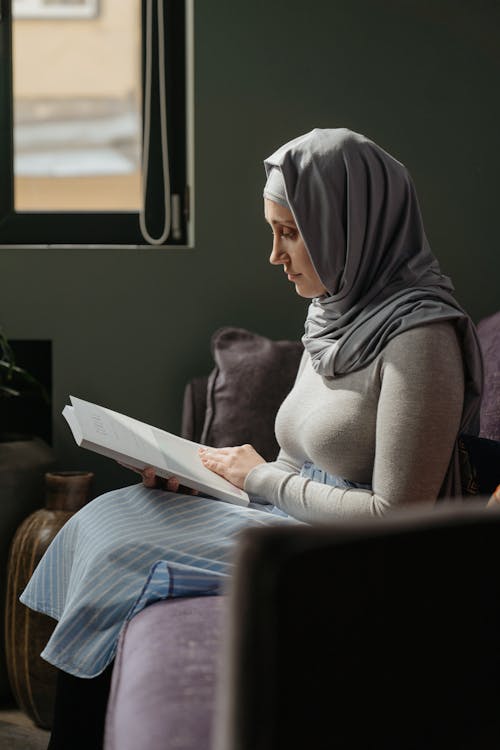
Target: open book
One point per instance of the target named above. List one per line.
(139, 445)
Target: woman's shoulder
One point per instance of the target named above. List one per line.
(434, 337)
(433, 345)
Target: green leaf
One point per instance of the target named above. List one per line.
(8, 391)
(9, 372)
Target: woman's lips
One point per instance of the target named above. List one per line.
(293, 276)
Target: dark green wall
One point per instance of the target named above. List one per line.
(420, 78)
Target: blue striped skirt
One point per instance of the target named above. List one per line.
(130, 548)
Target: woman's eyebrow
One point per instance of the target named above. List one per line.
(285, 223)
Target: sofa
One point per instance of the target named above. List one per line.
(375, 633)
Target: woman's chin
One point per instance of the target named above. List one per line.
(305, 293)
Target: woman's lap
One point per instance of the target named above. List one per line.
(123, 551)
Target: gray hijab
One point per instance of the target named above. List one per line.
(357, 211)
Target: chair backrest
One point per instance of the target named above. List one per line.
(194, 408)
(379, 633)
(489, 337)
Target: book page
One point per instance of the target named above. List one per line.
(118, 433)
(69, 416)
(139, 445)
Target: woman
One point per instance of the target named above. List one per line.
(391, 373)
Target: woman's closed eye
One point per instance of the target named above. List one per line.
(286, 234)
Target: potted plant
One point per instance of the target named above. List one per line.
(24, 459)
(14, 379)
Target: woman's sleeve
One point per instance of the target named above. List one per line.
(418, 418)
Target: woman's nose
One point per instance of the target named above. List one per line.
(277, 255)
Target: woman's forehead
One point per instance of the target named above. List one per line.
(277, 214)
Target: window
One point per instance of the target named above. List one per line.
(94, 138)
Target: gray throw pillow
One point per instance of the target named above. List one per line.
(245, 390)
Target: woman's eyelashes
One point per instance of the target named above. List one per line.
(285, 233)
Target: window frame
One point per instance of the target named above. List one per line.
(110, 229)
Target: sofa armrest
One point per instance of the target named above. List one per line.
(377, 633)
(162, 692)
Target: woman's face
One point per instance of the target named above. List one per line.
(290, 251)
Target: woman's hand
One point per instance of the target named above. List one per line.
(172, 484)
(151, 480)
(233, 464)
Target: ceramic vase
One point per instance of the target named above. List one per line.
(32, 679)
(24, 460)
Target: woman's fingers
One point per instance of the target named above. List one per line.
(153, 481)
(149, 477)
(209, 459)
(173, 484)
(233, 463)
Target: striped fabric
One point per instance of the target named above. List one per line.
(123, 551)
(130, 548)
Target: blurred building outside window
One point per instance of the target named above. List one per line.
(77, 105)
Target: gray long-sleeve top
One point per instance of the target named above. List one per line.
(391, 425)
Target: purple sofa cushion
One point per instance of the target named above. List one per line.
(489, 337)
(162, 693)
(253, 375)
